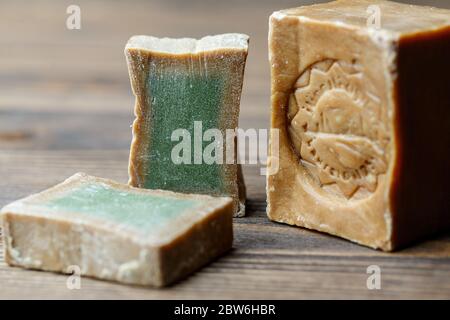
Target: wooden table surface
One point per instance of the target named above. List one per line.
(66, 106)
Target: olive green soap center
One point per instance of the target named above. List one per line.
(178, 99)
(143, 211)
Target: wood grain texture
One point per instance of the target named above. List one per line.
(66, 106)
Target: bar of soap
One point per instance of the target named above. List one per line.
(191, 85)
(363, 113)
(116, 232)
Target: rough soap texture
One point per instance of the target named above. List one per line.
(115, 232)
(364, 120)
(178, 82)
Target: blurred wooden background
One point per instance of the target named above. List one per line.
(66, 106)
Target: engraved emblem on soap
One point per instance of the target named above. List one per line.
(336, 129)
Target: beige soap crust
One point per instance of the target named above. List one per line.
(325, 57)
(396, 18)
(142, 50)
(43, 239)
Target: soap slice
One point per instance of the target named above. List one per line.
(193, 85)
(115, 232)
(363, 116)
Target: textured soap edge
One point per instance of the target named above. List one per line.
(297, 12)
(215, 239)
(182, 46)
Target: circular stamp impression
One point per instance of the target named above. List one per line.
(336, 128)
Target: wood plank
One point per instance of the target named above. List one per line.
(66, 106)
(269, 260)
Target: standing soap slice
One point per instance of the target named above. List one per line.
(115, 232)
(183, 88)
(364, 119)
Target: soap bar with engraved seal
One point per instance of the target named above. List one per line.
(115, 232)
(361, 99)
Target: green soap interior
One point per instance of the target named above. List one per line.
(142, 211)
(178, 98)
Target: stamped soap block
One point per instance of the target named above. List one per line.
(361, 99)
(115, 232)
(184, 89)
